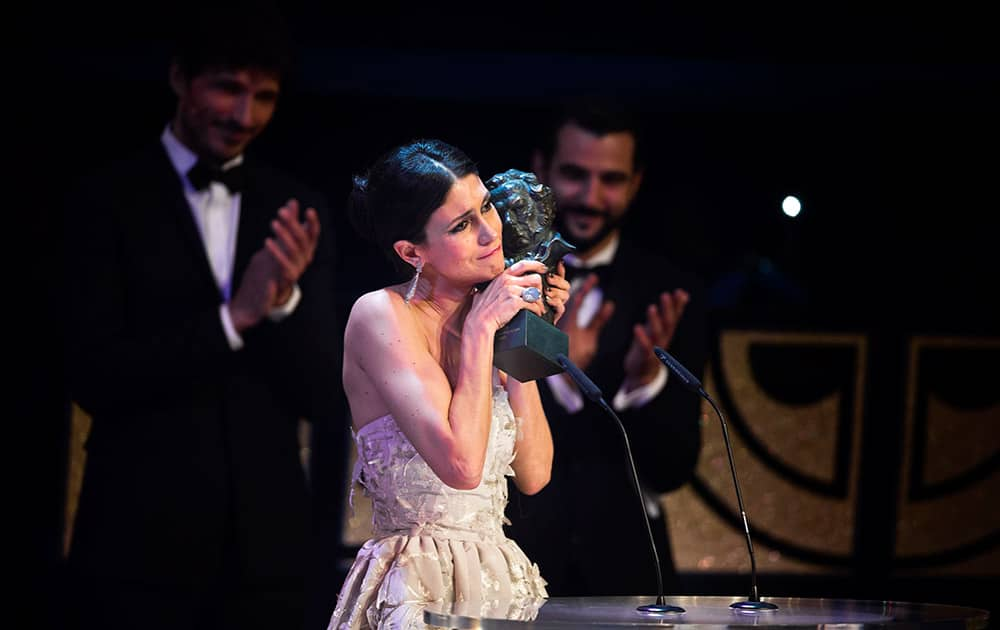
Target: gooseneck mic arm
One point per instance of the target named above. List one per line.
(587, 386)
(591, 391)
(689, 381)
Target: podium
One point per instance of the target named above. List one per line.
(619, 612)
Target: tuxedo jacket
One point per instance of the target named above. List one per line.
(585, 529)
(193, 462)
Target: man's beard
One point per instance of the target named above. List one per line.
(584, 245)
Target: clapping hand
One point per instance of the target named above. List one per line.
(293, 246)
(583, 339)
(641, 365)
(276, 267)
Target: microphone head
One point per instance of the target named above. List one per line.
(587, 386)
(687, 378)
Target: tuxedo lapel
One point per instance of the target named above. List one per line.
(255, 215)
(258, 204)
(621, 289)
(178, 211)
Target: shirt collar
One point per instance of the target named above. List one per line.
(184, 158)
(603, 256)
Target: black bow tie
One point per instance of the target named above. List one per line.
(203, 173)
(573, 272)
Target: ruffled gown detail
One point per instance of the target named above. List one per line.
(432, 543)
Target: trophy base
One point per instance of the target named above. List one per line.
(526, 347)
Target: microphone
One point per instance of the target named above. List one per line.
(689, 381)
(593, 392)
(587, 386)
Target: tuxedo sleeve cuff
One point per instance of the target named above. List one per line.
(282, 311)
(233, 337)
(640, 395)
(565, 394)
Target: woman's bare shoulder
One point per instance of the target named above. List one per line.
(375, 304)
(376, 312)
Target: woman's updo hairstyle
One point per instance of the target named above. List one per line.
(395, 198)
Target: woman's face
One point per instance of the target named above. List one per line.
(463, 235)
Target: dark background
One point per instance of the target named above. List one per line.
(884, 123)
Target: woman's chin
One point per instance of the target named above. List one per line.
(496, 269)
(487, 272)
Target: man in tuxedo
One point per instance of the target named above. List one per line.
(200, 332)
(584, 529)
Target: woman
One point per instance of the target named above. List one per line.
(437, 426)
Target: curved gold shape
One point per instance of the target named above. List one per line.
(955, 441)
(802, 436)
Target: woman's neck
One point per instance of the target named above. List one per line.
(440, 312)
(441, 305)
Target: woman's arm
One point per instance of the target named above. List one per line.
(533, 460)
(389, 369)
(448, 427)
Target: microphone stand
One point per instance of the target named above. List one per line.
(754, 604)
(591, 391)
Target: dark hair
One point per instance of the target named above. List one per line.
(232, 35)
(395, 198)
(598, 116)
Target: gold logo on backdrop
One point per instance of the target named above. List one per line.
(793, 402)
(948, 519)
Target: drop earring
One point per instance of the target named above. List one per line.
(413, 283)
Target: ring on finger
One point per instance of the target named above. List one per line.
(531, 294)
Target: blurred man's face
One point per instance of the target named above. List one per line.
(594, 181)
(219, 111)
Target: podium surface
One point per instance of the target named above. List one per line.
(619, 612)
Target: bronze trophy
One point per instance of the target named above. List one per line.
(526, 346)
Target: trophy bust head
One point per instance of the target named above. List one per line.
(527, 209)
(526, 347)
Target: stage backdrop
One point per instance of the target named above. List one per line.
(855, 360)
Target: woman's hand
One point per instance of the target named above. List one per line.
(558, 292)
(501, 300)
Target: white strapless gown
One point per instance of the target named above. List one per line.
(432, 543)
